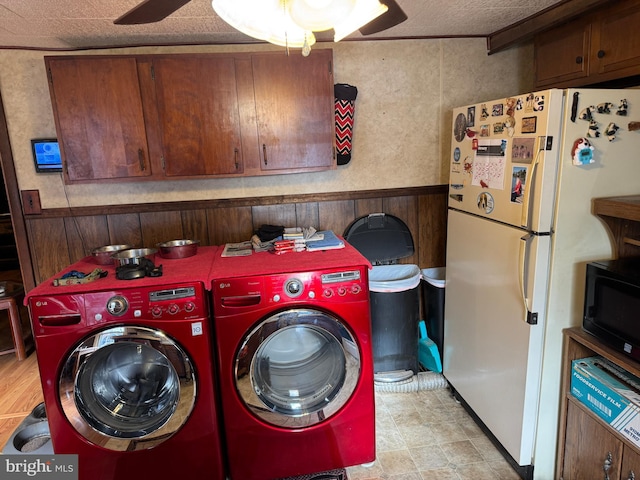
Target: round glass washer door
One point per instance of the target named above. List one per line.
(127, 388)
(297, 368)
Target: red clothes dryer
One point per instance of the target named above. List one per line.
(127, 372)
(294, 351)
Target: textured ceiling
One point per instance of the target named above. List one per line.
(77, 24)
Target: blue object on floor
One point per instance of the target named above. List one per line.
(428, 355)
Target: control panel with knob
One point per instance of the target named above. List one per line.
(181, 302)
(236, 294)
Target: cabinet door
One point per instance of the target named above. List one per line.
(198, 110)
(589, 447)
(630, 465)
(562, 54)
(618, 47)
(295, 111)
(97, 107)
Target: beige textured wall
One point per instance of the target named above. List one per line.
(406, 90)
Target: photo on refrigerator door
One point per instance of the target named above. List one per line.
(518, 183)
(522, 150)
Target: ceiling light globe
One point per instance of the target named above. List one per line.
(281, 30)
(319, 15)
(247, 16)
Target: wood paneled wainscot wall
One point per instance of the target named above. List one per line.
(59, 237)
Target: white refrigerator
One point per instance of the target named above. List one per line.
(524, 171)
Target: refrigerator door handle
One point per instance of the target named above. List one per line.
(528, 192)
(523, 273)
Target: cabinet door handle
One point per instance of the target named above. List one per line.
(264, 153)
(601, 53)
(606, 466)
(143, 165)
(235, 157)
(632, 476)
(578, 60)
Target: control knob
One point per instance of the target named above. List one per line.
(293, 288)
(117, 306)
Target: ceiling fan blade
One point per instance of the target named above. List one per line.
(150, 11)
(392, 17)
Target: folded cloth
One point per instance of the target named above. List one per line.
(260, 246)
(269, 232)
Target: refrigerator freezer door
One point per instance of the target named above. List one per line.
(492, 357)
(504, 159)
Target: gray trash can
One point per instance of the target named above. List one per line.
(433, 288)
(394, 293)
(395, 313)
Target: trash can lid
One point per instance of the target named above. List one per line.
(380, 237)
(394, 278)
(435, 276)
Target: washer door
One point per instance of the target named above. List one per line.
(127, 388)
(297, 368)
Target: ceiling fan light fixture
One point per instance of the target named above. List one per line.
(320, 15)
(364, 12)
(291, 23)
(267, 20)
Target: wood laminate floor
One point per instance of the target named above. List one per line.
(20, 389)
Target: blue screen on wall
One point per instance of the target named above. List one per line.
(46, 155)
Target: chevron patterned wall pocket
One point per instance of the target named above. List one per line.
(345, 96)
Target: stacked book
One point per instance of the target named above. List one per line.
(328, 241)
(294, 239)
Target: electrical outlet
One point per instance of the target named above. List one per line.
(31, 202)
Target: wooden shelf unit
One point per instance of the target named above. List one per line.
(622, 217)
(584, 444)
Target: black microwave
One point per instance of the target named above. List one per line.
(612, 303)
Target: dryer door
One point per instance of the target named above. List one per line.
(127, 388)
(297, 368)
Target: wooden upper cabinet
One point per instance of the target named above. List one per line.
(617, 43)
(600, 47)
(563, 55)
(295, 111)
(198, 112)
(99, 118)
(155, 117)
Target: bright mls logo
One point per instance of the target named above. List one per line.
(50, 467)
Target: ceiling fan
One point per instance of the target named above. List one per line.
(151, 11)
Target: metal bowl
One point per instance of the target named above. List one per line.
(178, 248)
(133, 256)
(103, 255)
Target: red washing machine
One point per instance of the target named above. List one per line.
(127, 372)
(296, 368)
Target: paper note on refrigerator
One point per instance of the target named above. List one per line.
(489, 164)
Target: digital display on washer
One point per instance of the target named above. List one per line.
(341, 276)
(172, 294)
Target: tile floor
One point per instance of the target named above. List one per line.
(427, 435)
